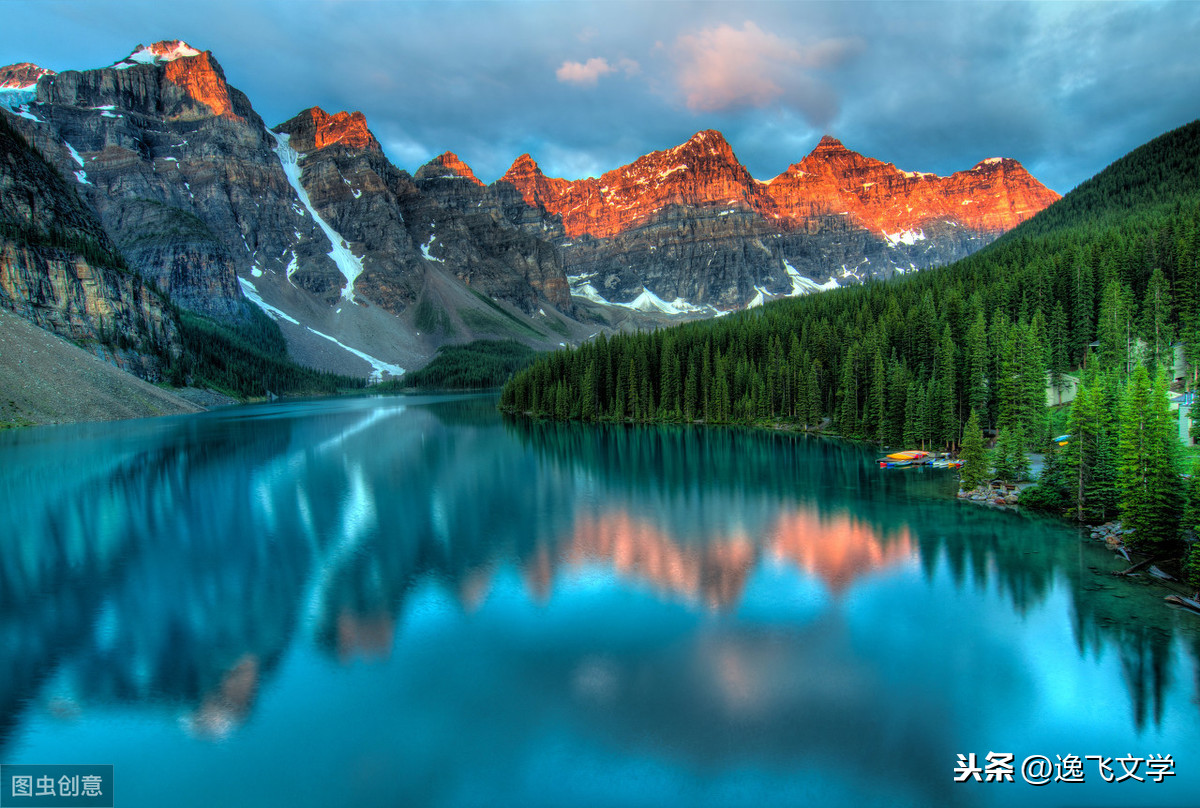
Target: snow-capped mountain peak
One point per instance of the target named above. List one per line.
(22, 76)
(159, 53)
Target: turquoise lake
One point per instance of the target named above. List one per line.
(413, 601)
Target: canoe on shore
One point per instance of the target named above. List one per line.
(911, 455)
(912, 458)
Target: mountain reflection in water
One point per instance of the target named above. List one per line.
(717, 599)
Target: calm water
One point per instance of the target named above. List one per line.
(413, 602)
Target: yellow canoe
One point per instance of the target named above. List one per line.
(913, 455)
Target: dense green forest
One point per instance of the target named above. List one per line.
(247, 358)
(475, 366)
(1103, 282)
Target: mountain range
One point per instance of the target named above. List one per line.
(179, 188)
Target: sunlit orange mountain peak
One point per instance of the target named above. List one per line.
(315, 129)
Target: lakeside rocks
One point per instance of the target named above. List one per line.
(1112, 534)
(991, 494)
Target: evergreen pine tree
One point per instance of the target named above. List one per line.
(942, 416)
(1146, 477)
(1155, 324)
(1059, 358)
(588, 403)
(977, 363)
(813, 417)
(911, 433)
(1114, 328)
(1031, 377)
(1010, 461)
(690, 393)
(877, 420)
(974, 468)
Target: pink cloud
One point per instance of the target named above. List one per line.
(724, 68)
(585, 73)
(589, 72)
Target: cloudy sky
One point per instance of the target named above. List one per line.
(585, 86)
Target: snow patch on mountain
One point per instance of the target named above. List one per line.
(347, 262)
(803, 286)
(74, 154)
(647, 301)
(17, 100)
(588, 292)
(251, 294)
(909, 237)
(80, 176)
(379, 367)
(155, 55)
(425, 250)
(13, 97)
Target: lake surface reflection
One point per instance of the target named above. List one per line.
(411, 601)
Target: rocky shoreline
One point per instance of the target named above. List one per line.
(1001, 495)
(1007, 496)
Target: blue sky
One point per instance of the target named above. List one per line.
(1065, 88)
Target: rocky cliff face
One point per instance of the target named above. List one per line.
(60, 270)
(406, 227)
(182, 173)
(447, 164)
(356, 191)
(487, 249)
(315, 129)
(691, 226)
(310, 222)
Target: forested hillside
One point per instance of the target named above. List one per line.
(905, 362)
(475, 366)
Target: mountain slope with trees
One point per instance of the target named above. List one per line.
(905, 361)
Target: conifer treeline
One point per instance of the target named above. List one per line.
(475, 366)
(247, 358)
(904, 362)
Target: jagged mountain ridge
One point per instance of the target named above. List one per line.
(416, 223)
(702, 171)
(214, 208)
(994, 196)
(362, 263)
(834, 216)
